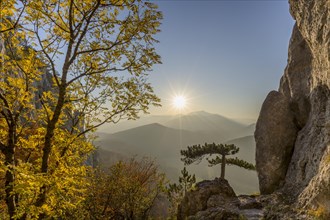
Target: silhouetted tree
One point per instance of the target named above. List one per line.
(196, 153)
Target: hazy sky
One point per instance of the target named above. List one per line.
(224, 56)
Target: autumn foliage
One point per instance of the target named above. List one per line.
(66, 68)
(126, 191)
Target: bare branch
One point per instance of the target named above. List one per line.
(82, 35)
(46, 54)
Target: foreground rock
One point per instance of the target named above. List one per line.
(297, 141)
(211, 199)
(215, 199)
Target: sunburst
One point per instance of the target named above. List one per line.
(179, 102)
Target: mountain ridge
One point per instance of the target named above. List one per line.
(167, 120)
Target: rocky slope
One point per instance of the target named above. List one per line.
(293, 130)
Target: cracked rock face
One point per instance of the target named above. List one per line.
(302, 111)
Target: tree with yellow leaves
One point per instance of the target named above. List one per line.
(67, 67)
(128, 190)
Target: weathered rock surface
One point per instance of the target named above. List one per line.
(216, 200)
(212, 199)
(275, 135)
(304, 99)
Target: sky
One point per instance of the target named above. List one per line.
(223, 56)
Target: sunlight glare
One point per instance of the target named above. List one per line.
(179, 102)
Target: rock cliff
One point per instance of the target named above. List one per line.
(293, 129)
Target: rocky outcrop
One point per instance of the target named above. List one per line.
(303, 126)
(211, 199)
(216, 200)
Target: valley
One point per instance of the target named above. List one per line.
(164, 136)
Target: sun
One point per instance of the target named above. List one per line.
(179, 102)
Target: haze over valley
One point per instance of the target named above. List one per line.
(162, 138)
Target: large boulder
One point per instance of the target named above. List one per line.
(275, 136)
(216, 200)
(211, 199)
(304, 97)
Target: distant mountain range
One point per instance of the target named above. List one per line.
(194, 121)
(164, 139)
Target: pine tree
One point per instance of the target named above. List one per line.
(186, 181)
(176, 192)
(196, 153)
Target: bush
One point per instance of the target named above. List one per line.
(127, 190)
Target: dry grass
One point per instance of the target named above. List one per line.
(320, 213)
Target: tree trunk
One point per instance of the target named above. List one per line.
(48, 144)
(223, 166)
(185, 189)
(9, 177)
(51, 128)
(9, 188)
